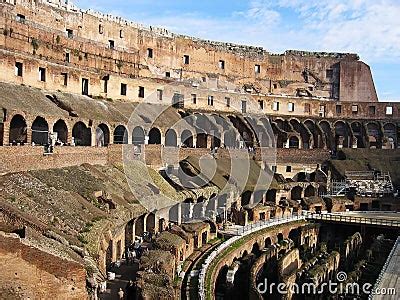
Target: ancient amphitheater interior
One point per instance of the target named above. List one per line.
(142, 162)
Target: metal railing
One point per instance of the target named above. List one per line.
(355, 219)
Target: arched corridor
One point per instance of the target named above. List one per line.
(155, 136)
(120, 135)
(102, 135)
(40, 131)
(18, 130)
(81, 135)
(61, 130)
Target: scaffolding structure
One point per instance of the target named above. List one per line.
(364, 184)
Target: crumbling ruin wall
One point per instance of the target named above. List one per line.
(52, 275)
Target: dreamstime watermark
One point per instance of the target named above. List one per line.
(338, 287)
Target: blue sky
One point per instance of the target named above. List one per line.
(370, 28)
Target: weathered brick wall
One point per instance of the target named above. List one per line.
(37, 274)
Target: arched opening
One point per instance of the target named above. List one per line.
(280, 237)
(316, 134)
(305, 136)
(294, 142)
(18, 130)
(102, 135)
(60, 129)
(374, 136)
(171, 138)
(151, 223)
(138, 136)
(120, 135)
(342, 136)
(271, 196)
(309, 191)
(187, 139)
(268, 242)
(81, 135)
(246, 197)
(256, 249)
(327, 131)
(140, 226)
(295, 193)
(201, 141)
(294, 235)
(40, 132)
(155, 136)
(358, 133)
(390, 136)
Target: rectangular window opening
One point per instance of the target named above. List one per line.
(141, 92)
(210, 100)
(85, 86)
(160, 95)
(186, 59)
(290, 107)
(64, 78)
(257, 69)
(222, 64)
(275, 106)
(70, 33)
(149, 53)
(124, 88)
(111, 43)
(194, 98)
(42, 74)
(19, 69)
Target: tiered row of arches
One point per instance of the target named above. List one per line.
(209, 132)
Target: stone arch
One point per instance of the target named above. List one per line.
(309, 191)
(295, 193)
(390, 136)
(60, 127)
(140, 225)
(187, 139)
(342, 135)
(294, 142)
(280, 237)
(171, 139)
(102, 135)
(305, 136)
(327, 131)
(374, 135)
(294, 235)
(155, 136)
(138, 136)
(358, 131)
(151, 222)
(318, 141)
(18, 130)
(120, 135)
(271, 195)
(40, 131)
(267, 242)
(81, 134)
(246, 198)
(247, 136)
(213, 226)
(256, 249)
(201, 140)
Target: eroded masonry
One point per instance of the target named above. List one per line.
(98, 113)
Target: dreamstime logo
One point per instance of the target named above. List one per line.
(341, 287)
(208, 159)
